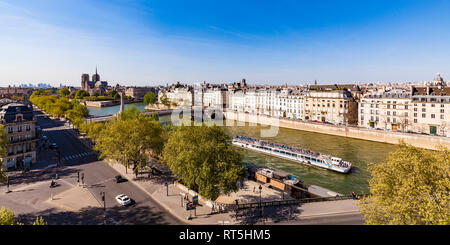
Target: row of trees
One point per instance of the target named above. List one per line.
(59, 106)
(203, 158)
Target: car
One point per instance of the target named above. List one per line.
(123, 199)
(119, 179)
(53, 146)
(44, 137)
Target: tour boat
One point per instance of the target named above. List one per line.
(294, 154)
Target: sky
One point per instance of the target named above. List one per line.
(147, 43)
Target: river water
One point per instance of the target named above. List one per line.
(359, 152)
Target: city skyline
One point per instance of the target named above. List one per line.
(148, 44)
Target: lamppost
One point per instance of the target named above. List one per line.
(7, 184)
(260, 201)
(104, 207)
(82, 179)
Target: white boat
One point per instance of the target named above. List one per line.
(294, 154)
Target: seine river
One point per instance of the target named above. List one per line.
(359, 152)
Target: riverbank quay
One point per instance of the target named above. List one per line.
(422, 141)
(108, 103)
(170, 197)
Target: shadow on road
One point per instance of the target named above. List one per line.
(134, 215)
(254, 216)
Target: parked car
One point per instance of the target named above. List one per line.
(119, 179)
(123, 199)
(53, 146)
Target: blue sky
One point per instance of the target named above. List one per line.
(266, 42)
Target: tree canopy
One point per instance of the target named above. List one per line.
(63, 91)
(131, 142)
(410, 187)
(150, 98)
(204, 159)
(129, 113)
(60, 106)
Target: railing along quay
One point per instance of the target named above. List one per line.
(231, 207)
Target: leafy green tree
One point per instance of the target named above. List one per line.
(72, 94)
(6, 217)
(204, 159)
(131, 142)
(63, 91)
(96, 94)
(164, 100)
(129, 113)
(81, 94)
(410, 187)
(116, 96)
(150, 98)
(155, 116)
(40, 221)
(93, 129)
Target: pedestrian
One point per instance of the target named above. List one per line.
(253, 189)
(212, 209)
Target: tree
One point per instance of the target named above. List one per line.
(204, 159)
(164, 100)
(410, 187)
(6, 217)
(81, 94)
(155, 116)
(129, 113)
(131, 142)
(63, 91)
(150, 98)
(92, 129)
(40, 221)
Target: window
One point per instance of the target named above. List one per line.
(423, 110)
(423, 115)
(442, 116)
(415, 109)
(388, 119)
(433, 105)
(388, 113)
(442, 110)
(415, 114)
(10, 129)
(28, 127)
(394, 113)
(19, 128)
(415, 120)
(433, 116)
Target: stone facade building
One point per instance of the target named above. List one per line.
(20, 123)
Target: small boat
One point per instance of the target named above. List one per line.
(294, 154)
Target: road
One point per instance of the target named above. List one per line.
(98, 177)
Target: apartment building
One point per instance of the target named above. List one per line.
(182, 96)
(20, 123)
(386, 110)
(336, 106)
(431, 110)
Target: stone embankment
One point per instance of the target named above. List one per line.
(418, 140)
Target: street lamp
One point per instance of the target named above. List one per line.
(104, 206)
(260, 201)
(7, 184)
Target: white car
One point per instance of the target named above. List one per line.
(123, 199)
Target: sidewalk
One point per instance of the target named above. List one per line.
(172, 203)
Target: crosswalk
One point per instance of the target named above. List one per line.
(74, 156)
